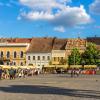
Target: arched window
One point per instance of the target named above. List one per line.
(1, 54)
(15, 54)
(8, 54)
(21, 63)
(14, 63)
(21, 54)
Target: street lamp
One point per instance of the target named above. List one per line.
(74, 58)
(83, 63)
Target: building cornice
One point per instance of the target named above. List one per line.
(14, 44)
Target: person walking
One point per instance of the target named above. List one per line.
(11, 73)
(0, 73)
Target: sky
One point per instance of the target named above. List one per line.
(49, 18)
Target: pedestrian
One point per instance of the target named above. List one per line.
(72, 72)
(11, 73)
(0, 73)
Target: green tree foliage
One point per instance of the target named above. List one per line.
(75, 57)
(91, 54)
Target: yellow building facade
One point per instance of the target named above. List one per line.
(58, 57)
(13, 53)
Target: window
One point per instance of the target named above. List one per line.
(48, 57)
(58, 58)
(33, 57)
(38, 57)
(61, 58)
(8, 54)
(15, 54)
(14, 63)
(54, 58)
(7, 63)
(21, 54)
(43, 58)
(21, 63)
(28, 57)
(10, 63)
(1, 54)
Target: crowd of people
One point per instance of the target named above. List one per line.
(77, 72)
(17, 73)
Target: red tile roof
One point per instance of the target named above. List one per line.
(76, 43)
(95, 40)
(59, 44)
(23, 40)
(40, 45)
(15, 40)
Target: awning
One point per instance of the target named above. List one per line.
(90, 66)
(48, 66)
(56, 66)
(75, 66)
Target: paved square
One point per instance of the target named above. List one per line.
(51, 87)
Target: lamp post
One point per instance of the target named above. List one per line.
(74, 58)
(99, 60)
(83, 63)
(74, 53)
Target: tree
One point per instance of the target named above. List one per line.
(91, 54)
(98, 58)
(75, 57)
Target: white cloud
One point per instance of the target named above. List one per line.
(43, 5)
(80, 27)
(71, 16)
(95, 7)
(38, 15)
(59, 29)
(63, 16)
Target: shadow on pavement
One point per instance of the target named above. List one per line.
(39, 89)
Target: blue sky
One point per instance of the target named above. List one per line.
(52, 18)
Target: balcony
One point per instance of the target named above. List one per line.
(12, 58)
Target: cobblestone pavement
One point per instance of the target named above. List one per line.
(51, 87)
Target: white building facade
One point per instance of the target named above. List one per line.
(38, 60)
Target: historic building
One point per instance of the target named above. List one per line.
(39, 52)
(13, 52)
(58, 51)
(78, 43)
